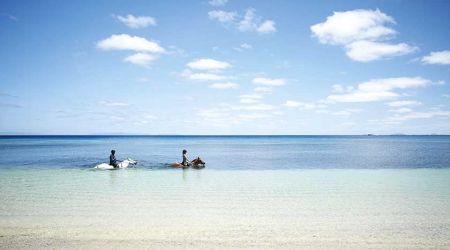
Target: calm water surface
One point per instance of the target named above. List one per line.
(230, 152)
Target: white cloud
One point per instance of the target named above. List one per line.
(401, 110)
(438, 57)
(136, 22)
(348, 124)
(226, 115)
(292, 104)
(360, 96)
(418, 115)
(403, 103)
(349, 26)
(253, 116)
(252, 23)
(269, 81)
(150, 117)
(114, 104)
(267, 26)
(362, 33)
(304, 105)
(206, 77)
(366, 51)
(379, 89)
(140, 59)
(388, 84)
(250, 98)
(222, 16)
(225, 85)
(127, 42)
(217, 2)
(246, 46)
(346, 112)
(259, 107)
(202, 76)
(208, 64)
(249, 23)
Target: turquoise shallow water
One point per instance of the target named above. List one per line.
(391, 207)
(350, 191)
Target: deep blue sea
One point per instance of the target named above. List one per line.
(229, 152)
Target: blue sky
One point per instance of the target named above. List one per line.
(224, 67)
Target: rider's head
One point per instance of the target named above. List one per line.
(184, 151)
(113, 151)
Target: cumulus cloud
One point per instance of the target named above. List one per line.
(127, 42)
(403, 103)
(362, 33)
(217, 2)
(366, 51)
(208, 64)
(269, 81)
(250, 22)
(137, 22)
(267, 26)
(140, 59)
(222, 16)
(379, 89)
(225, 85)
(349, 26)
(439, 57)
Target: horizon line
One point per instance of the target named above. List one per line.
(118, 135)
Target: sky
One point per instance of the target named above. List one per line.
(224, 67)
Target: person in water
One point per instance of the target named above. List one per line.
(186, 161)
(112, 159)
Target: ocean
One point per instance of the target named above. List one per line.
(229, 152)
(255, 192)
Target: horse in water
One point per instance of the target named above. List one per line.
(196, 163)
(123, 164)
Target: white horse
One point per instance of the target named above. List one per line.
(122, 164)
